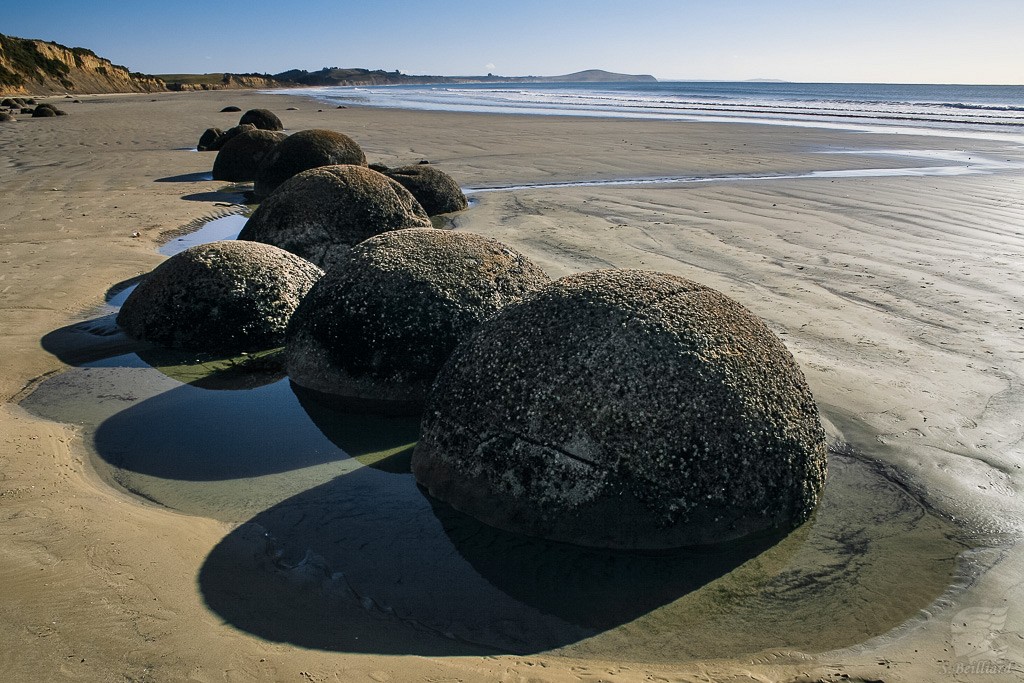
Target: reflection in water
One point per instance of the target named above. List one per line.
(384, 442)
(372, 547)
(593, 588)
(246, 371)
(339, 555)
(375, 542)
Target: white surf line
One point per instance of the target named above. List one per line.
(968, 166)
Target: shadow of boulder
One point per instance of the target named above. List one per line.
(368, 563)
(186, 178)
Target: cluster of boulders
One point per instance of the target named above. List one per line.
(612, 408)
(320, 202)
(10, 107)
(214, 139)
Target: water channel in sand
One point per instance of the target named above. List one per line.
(337, 547)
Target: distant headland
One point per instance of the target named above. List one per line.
(38, 67)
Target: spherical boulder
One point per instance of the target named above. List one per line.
(43, 111)
(208, 139)
(239, 158)
(5, 117)
(376, 329)
(264, 119)
(321, 213)
(220, 297)
(435, 190)
(230, 109)
(305, 150)
(624, 409)
(228, 135)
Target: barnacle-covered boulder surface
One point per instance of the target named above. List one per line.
(305, 150)
(380, 324)
(321, 213)
(624, 409)
(239, 158)
(264, 119)
(433, 188)
(219, 297)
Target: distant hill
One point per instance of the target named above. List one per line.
(334, 75)
(339, 76)
(599, 76)
(38, 67)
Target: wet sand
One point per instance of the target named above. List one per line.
(901, 298)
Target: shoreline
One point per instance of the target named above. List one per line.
(730, 236)
(840, 107)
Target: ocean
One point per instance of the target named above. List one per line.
(986, 109)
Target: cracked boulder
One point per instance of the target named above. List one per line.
(323, 212)
(302, 151)
(220, 297)
(375, 330)
(624, 409)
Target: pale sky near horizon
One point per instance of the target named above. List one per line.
(886, 41)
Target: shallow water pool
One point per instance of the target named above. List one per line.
(336, 538)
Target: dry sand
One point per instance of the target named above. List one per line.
(901, 297)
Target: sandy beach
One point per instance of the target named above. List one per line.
(900, 296)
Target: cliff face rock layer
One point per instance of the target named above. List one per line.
(226, 81)
(37, 67)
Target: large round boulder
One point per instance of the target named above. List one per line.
(434, 189)
(305, 150)
(376, 329)
(5, 117)
(208, 139)
(44, 110)
(321, 213)
(624, 409)
(220, 297)
(239, 158)
(264, 119)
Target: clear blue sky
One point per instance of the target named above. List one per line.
(908, 41)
